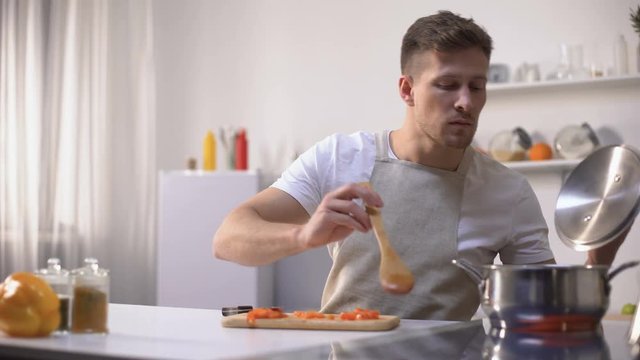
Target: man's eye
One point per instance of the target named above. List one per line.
(478, 86)
(447, 86)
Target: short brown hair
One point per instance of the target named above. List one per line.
(444, 31)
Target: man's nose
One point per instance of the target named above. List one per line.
(463, 102)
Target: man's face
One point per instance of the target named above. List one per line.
(447, 94)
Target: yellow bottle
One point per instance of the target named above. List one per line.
(209, 152)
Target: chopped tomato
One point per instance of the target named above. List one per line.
(264, 313)
(347, 316)
(360, 314)
(276, 313)
(308, 314)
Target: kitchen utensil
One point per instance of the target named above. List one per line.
(510, 145)
(600, 198)
(543, 298)
(576, 141)
(395, 276)
(233, 310)
(385, 322)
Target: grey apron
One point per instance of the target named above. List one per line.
(421, 214)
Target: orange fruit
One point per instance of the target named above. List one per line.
(540, 151)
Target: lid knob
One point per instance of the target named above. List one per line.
(91, 263)
(53, 264)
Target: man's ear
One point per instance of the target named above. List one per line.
(405, 86)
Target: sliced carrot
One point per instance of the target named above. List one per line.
(308, 314)
(347, 316)
(264, 313)
(276, 313)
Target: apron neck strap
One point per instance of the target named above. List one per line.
(382, 152)
(382, 145)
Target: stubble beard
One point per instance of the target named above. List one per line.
(460, 141)
(454, 141)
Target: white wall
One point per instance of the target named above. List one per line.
(295, 71)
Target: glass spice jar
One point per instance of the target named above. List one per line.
(58, 279)
(90, 298)
(510, 145)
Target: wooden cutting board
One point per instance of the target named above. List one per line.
(385, 322)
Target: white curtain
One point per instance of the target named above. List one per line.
(77, 139)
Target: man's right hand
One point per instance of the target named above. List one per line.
(338, 216)
(272, 224)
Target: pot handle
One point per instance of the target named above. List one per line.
(619, 269)
(470, 269)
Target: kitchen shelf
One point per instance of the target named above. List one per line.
(543, 165)
(596, 83)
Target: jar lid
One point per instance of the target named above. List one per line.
(522, 137)
(90, 268)
(600, 199)
(53, 269)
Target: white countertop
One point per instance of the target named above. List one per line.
(152, 332)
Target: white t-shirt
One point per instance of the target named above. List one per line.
(500, 213)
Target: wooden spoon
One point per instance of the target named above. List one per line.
(395, 276)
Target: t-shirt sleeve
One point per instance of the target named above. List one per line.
(303, 178)
(529, 240)
(337, 160)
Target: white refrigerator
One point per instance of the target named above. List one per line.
(192, 205)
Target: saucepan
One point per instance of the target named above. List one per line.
(540, 298)
(597, 203)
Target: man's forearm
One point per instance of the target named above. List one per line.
(605, 255)
(245, 238)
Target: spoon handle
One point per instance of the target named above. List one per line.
(378, 229)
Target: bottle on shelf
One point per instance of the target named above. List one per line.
(621, 61)
(241, 150)
(571, 66)
(228, 140)
(209, 152)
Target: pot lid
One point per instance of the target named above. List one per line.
(600, 198)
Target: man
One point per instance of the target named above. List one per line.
(442, 200)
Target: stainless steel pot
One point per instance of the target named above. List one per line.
(544, 297)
